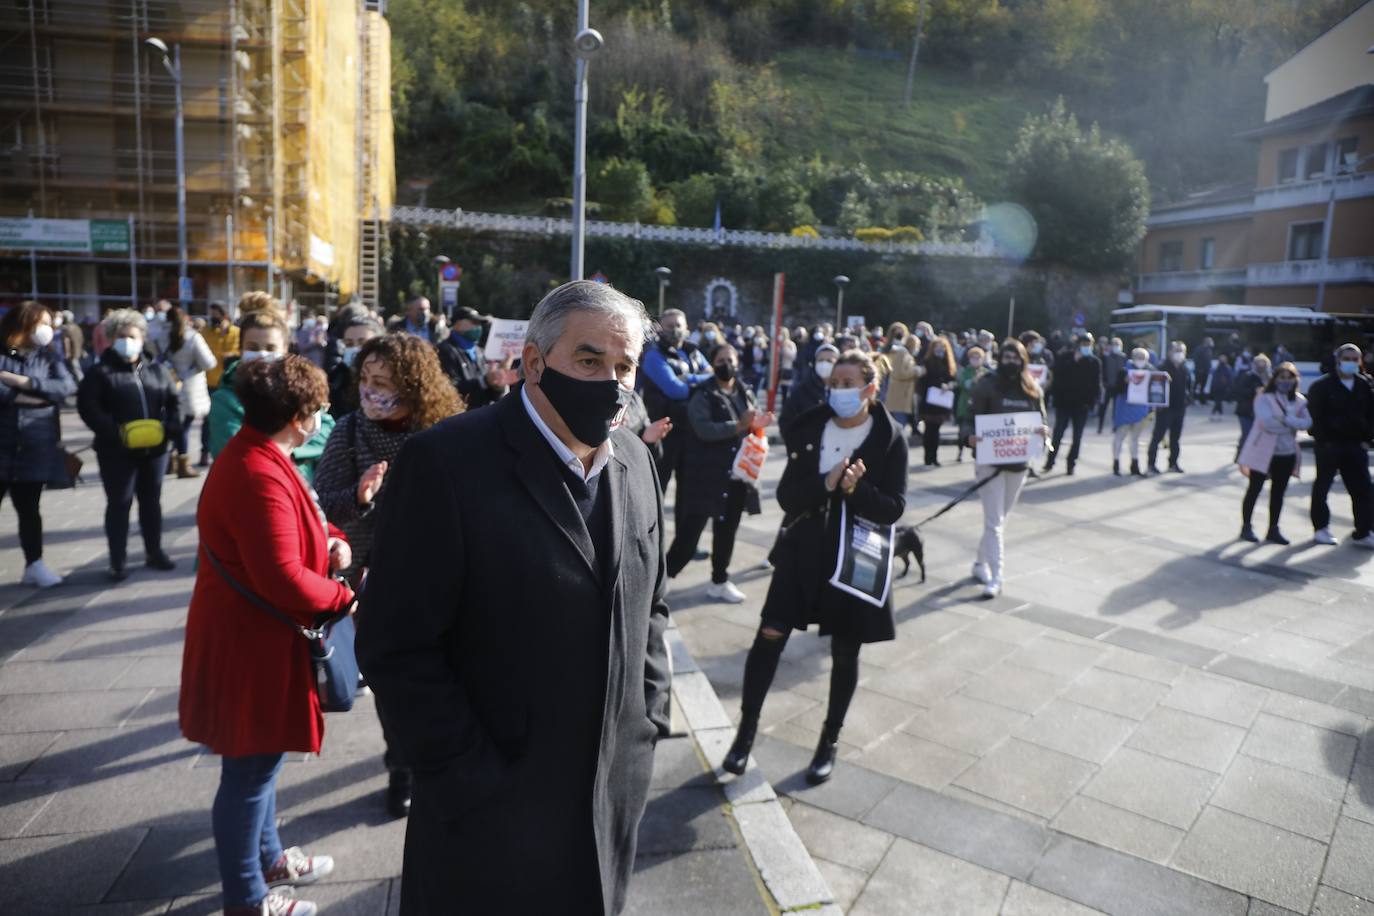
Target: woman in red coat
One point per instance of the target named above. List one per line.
(247, 684)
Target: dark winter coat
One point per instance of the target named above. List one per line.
(806, 394)
(709, 451)
(29, 432)
(1243, 391)
(116, 391)
(804, 558)
(1180, 385)
(1341, 415)
(1077, 381)
(525, 681)
(467, 370)
(937, 376)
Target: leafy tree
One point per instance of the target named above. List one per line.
(622, 186)
(1087, 193)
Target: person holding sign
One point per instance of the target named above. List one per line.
(720, 415)
(1170, 419)
(1008, 392)
(936, 390)
(478, 382)
(1129, 416)
(844, 488)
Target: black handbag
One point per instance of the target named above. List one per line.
(331, 646)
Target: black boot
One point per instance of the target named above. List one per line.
(1116, 467)
(1069, 468)
(159, 560)
(398, 793)
(1248, 534)
(823, 764)
(1049, 463)
(738, 756)
(1276, 537)
(1135, 469)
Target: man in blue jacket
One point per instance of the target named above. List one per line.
(672, 367)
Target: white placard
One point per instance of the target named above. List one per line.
(940, 397)
(1009, 438)
(1038, 371)
(1146, 388)
(855, 321)
(505, 339)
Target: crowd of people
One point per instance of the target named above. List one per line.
(394, 470)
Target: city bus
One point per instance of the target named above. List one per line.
(1311, 336)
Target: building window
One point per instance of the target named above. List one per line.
(1170, 256)
(1314, 161)
(1207, 254)
(1305, 241)
(1288, 165)
(1346, 148)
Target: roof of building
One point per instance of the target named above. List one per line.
(1217, 194)
(1352, 103)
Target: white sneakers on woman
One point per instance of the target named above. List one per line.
(982, 573)
(725, 591)
(992, 589)
(38, 575)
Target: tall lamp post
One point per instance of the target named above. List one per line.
(840, 281)
(586, 44)
(1350, 168)
(171, 62)
(663, 275)
(438, 262)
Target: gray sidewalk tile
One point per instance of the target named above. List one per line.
(1252, 857)
(967, 650)
(918, 881)
(851, 793)
(1091, 627)
(915, 760)
(1357, 700)
(1284, 649)
(54, 874)
(839, 839)
(920, 685)
(1165, 647)
(88, 753)
(171, 862)
(1322, 715)
(40, 712)
(1142, 665)
(871, 716)
(1300, 746)
(845, 883)
(1216, 698)
(17, 752)
(1328, 629)
(1025, 900)
(159, 671)
(1122, 694)
(1080, 731)
(780, 857)
(164, 796)
(1291, 799)
(87, 644)
(1359, 794)
(1163, 790)
(127, 908)
(682, 819)
(1350, 865)
(1117, 828)
(1014, 687)
(696, 883)
(21, 802)
(1027, 776)
(966, 724)
(1331, 902)
(1190, 739)
(61, 677)
(1261, 908)
(1006, 629)
(1127, 886)
(1058, 656)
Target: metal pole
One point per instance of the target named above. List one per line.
(839, 311)
(33, 268)
(133, 266)
(1326, 244)
(181, 177)
(271, 254)
(661, 287)
(1011, 316)
(229, 256)
(579, 217)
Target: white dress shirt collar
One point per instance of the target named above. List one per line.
(603, 453)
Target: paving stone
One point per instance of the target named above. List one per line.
(852, 792)
(162, 796)
(1356, 700)
(103, 752)
(839, 839)
(1057, 656)
(1014, 687)
(1165, 647)
(1300, 746)
(915, 760)
(920, 685)
(1326, 628)
(170, 862)
(165, 642)
(1284, 650)
(966, 724)
(1080, 731)
(1331, 902)
(1252, 857)
(1090, 627)
(1025, 900)
(871, 716)
(1027, 776)
(845, 883)
(20, 803)
(1215, 698)
(1117, 828)
(159, 671)
(1275, 677)
(781, 859)
(17, 752)
(1190, 739)
(1162, 790)
(1141, 665)
(1350, 864)
(1260, 908)
(1121, 694)
(683, 818)
(53, 874)
(676, 764)
(1322, 715)
(1359, 794)
(1006, 629)
(967, 650)
(1127, 886)
(1291, 799)
(916, 880)
(41, 712)
(127, 908)
(993, 804)
(61, 677)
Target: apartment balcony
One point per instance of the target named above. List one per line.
(1308, 273)
(1188, 281)
(1317, 191)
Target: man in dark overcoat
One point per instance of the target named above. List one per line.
(512, 628)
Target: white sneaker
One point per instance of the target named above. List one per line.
(1367, 541)
(1323, 536)
(765, 564)
(38, 575)
(982, 573)
(725, 591)
(992, 589)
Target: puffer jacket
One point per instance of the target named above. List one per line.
(709, 451)
(29, 432)
(117, 391)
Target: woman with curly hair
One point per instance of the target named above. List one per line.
(401, 390)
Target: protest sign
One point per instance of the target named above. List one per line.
(1147, 388)
(863, 564)
(1009, 438)
(505, 339)
(940, 397)
(1038, 371)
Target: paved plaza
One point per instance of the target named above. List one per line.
(1152, 719)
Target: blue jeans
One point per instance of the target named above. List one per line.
(245, 825)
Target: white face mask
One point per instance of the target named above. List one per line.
(127, 348)
(251, 355)
(1140, 363)
(312, 426)
(824, 368)
(42, 335)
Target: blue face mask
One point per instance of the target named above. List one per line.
(1085, 351)
(350, 354)
(846, 402)
(1349, 367)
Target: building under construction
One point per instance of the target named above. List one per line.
(288, 159)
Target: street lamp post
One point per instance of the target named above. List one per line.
(840, 281)
(1351, 167)
(172, 63)
(586, 44)
(438, 262)
(663, 275)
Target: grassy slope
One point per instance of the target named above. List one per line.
(851, 111)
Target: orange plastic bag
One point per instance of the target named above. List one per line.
(750, 457)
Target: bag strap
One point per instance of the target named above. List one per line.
(307, 632)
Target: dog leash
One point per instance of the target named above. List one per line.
(960, 498)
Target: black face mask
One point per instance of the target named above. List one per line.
(591, 409)
(674, 337)
(725, 372)
(1009, 370)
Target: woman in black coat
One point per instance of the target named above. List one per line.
(33, 382)
(939, 374)
(122, 388)
(847, 457)
(720, 414)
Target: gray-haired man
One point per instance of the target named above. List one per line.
(518, 557)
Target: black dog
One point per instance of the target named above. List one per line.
(906, 546)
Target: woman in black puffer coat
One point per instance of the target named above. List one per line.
(720, 414)
(847, 457)
(33, 382)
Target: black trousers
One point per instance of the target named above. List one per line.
(723, 530)
(1351, 461)
(761, 666)
(1062, 417)
(1280, 471)
(670, 457)
(125, 476)
(930, 436)
(1167, 420)
(25, 496)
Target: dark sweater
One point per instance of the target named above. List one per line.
(356, 444)
(1341, 415)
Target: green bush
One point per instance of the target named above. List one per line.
(622, 186)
